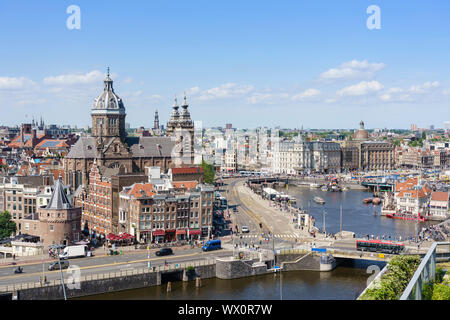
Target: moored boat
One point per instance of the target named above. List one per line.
(376, 201)
(405, 217)
(319, 200)
(367, 200)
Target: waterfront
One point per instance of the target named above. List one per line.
(356, 216)
(346, 282)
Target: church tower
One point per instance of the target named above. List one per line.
(181, 128)
(108, 114)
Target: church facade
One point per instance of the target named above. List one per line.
(110, 146)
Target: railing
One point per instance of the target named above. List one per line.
(110, 275)
(424, 274)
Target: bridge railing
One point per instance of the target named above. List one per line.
(425, 273)
(108, 275)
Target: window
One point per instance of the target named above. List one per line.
(51, 228)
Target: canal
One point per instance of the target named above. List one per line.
(360, 218)
(346, 282)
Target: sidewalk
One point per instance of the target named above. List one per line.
(97, 253)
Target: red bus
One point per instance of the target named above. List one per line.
(379, 246)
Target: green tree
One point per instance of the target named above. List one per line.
(208, 172)
(7, 226)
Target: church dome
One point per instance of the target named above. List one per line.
(108, 101)
(362, 133)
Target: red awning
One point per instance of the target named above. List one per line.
(159, 233)
(112, 236)
(194, 231)
(181, 231)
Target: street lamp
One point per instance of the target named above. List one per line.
(58, 247)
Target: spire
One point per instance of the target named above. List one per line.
(108, 81)
(185, 102)
(175, 103)
(59, 199)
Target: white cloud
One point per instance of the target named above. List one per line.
(267, 98)
(353, 70)
(73, 79)
(11, 83)
(227, 90)
(309, 93)
(424, 88)
(360, 89)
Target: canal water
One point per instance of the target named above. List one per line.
(358, 217)
(346, 282)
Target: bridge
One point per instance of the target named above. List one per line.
(383, 186)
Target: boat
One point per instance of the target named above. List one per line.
(405, 217)
(367, 200)
(344, 189)
(335, 188)
(324, 188)
(314, 185)
(376, 201)
(319, 200)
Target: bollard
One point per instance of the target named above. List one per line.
(169, 286)
(198, 282)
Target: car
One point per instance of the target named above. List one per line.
(55, 265)
(245, 229)
(164, 252)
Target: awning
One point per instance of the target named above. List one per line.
(181, 231)
(159, 233)
(170, 230)
(194, 231)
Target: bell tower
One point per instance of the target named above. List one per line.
(108, 113)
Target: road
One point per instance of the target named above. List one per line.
(105, 264)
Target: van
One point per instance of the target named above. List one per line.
(55, 265)
(212, 245)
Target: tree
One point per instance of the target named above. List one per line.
(7, 226)
(209, 173)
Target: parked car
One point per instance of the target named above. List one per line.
(245, 229)
(164, 252)
(55, 265)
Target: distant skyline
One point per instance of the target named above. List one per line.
(249, 63)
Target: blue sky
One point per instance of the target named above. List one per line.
(250, 63)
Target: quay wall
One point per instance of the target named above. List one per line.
(105, 285)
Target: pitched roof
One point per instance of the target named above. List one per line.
(184, 184)
(59, 198)
(187, 170)
(439, 196)
(139, 190)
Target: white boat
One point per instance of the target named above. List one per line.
(324, 188)
(319, 200)
(314, 185)
(344, 189)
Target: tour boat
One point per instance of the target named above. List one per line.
(319, 200)
(376, 201)
(405, 217)
(367, 200)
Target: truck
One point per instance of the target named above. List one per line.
(74, 252)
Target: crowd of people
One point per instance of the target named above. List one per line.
(438, 232)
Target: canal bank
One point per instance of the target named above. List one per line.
(230, 268)
(346, 282)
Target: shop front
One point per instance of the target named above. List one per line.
(170, 235)
(158, 236)
(181, 234)
(194, 234)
